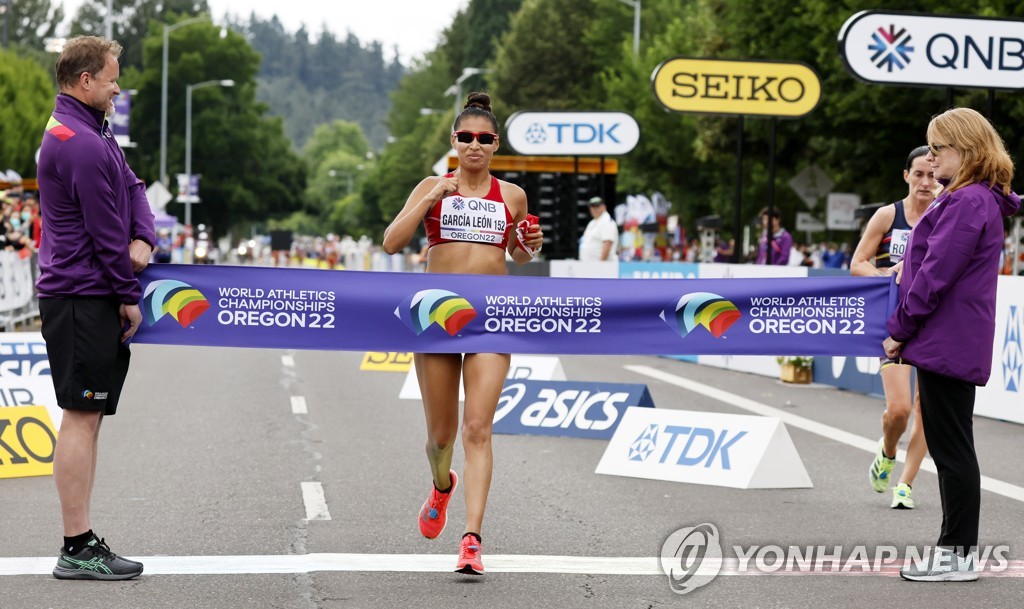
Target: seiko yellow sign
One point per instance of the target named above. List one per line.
(386, 362)
(27, 442)
(720, 86)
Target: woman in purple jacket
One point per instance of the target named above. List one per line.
(944, 323)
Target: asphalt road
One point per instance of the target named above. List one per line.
(201, 476)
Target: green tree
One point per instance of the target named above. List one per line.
(30, 22)
(249, 170)
(28, 92)
(131, 21)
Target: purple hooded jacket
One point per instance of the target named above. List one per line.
(92, 207)
(946, 313)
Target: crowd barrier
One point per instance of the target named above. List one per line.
(18, 304)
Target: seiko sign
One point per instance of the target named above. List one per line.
(721, 86)
(572, 133)
(914, 49)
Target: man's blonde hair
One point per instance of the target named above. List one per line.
(84, 54)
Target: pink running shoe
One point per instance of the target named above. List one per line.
(434, 513)
(469, 557)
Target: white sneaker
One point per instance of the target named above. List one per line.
(943, 565)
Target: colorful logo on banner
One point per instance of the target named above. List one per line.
(1013, 350)
(183, 302)
(701, 309)
(891, 48)
(446, 309)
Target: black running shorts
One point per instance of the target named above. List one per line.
(88, 361)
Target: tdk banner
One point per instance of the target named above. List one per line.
(566, 408)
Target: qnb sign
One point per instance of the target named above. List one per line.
(915, 49)
(572, 133)
(713, 86)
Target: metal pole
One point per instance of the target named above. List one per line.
(188, 157)
(110, 20)
(737, 218)
(636, 28)
(163, 114)
(771, 192)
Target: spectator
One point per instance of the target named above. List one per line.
(601, 234)
(781, 240)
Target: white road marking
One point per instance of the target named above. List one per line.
(833, 433)
(441, 563)
(288, 361)
(299, 405)
(316, 504)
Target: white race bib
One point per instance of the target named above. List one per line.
(898, 245)
(471, 219)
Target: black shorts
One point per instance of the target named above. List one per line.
(88, 361)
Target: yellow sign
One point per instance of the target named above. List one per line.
(720, 86)
(386, 362)
(27, 442)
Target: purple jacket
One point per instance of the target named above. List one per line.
(946, 313)
(782, 244)
(92, 207)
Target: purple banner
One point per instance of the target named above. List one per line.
(440, 313)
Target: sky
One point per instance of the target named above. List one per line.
(415, 26)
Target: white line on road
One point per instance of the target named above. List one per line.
(440, 563)
(833, 433)
(299, 405)
(316, 504)
(288, 361)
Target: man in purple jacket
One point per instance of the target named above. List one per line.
(945, 320)
(97, 234)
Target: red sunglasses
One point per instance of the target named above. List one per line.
(485, 138)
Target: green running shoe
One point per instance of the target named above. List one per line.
(901, 497)
(95, 561)
(880, 470)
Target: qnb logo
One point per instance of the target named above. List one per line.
(458, 204)
(169, 296)
(891, 48)
(446, 309)
(1013, 350)
(712, 311)
(703, 446)
(536, 134)
(691, 557)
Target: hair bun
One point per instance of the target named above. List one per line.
(478, 99)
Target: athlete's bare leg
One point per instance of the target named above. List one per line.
(484, 375)
(438, 376)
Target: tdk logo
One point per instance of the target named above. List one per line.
(685, 446)
(566, 408)
(572, 133)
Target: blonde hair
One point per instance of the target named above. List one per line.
(84, 54)
(982, 152)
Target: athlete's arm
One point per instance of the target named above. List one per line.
(515, 198)
(429, 191)
(877, 226)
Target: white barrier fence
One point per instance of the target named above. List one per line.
(17, 291)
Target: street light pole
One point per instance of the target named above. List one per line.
(163, 94)
(188, 141)
(456, 89)
(636, 24)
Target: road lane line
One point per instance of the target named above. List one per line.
(316, 504)
(833, 433)
(288, 361)
(441, 563)
(299, 405)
